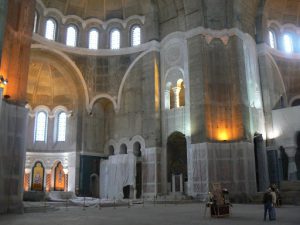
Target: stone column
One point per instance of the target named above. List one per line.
(27, 179)
(66, 179)
(292, 169)
(176, 91)
(48, 180)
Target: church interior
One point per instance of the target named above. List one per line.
(133, 99)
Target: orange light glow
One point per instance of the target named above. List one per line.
(222, 135)
(223, 114)
(156, 80)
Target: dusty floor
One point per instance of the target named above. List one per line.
(159, 214)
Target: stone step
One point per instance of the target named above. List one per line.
(289, 186)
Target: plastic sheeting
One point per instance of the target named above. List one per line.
(115, 173)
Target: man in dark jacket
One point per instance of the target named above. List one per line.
(267, 200)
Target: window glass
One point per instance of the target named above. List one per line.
(50, 29)
(135, 36)
(115, 39)
(93, 39)
(272, 39)
(35, 22)
(41, 126)
(288, 43)
(71, 36)
(61, 126)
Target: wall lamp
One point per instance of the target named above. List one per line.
(3, 81)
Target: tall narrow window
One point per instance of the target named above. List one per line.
(61, 126)
(41, 126)
(50, 29)
(135, 36)
(115, 39)
(71, 39)
(272, 39)
(93, 39)
(288, 43)
(35, 22)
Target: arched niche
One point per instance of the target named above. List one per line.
(111, 150)
(123, 149)
(59, 177)
(38, 172)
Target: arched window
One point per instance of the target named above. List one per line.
(272, 39)
(288, 43)
(181, 93)
(93, 39)
(135, 35)
(50, 29)
(115, 39)
(35, 22)
(41, 126)
(71, 39)
(61, 126)
(172, 98)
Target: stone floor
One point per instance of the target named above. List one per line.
(159, 214)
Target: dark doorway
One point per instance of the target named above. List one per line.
(176, 156)
(258, 142)
(138, 180)
(126, 191)
(284, 163)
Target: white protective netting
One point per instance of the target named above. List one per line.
(115, 173)
(13, 127)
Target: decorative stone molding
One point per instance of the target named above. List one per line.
(263, 49)
(223, 35)
(84, 23)
(283, 27)
(91, 52)
(51, 113)
(129, 142)
(48, 159)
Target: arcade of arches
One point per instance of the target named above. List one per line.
(179, 94)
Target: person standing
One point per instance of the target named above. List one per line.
(273, 211)
(267, 200)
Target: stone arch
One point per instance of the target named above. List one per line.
(128, 72)
(103, 96)
(140, 140)
(111, 150)
(111, 144)
(295, 101)
(43, 53)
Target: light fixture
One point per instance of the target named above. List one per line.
(3, 81)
